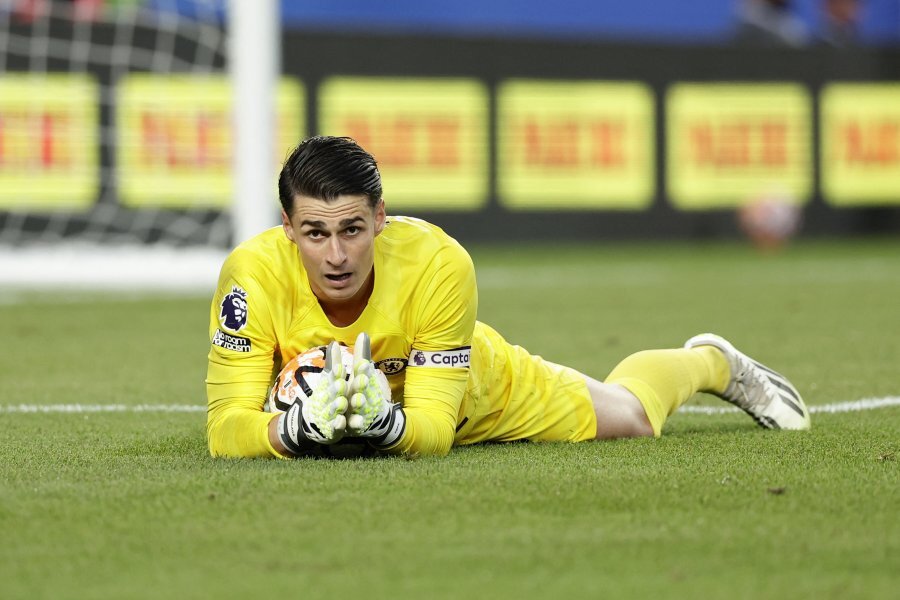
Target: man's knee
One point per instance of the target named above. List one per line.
(619, 412)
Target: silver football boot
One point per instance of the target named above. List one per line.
(762, 393)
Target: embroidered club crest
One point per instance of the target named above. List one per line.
(391, 366)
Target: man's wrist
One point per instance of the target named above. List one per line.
(394, 426)
(274, 440)
(290, 434)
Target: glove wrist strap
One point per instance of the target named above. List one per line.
(390, 428)
(291, 433)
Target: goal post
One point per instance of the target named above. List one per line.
(134, 140)
(254, 65)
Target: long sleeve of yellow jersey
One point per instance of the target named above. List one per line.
(437, 316)
(432, 396)
(241, 361)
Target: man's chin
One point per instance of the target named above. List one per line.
(342, 291)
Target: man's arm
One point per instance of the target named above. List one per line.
(236, 425)
(431, 414)
(241, 361)
(437, 371)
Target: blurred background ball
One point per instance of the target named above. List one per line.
(769, 222)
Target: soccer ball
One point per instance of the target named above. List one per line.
(299, 377)
(769, 222)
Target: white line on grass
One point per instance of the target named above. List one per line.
(836, 407)
(101, 408)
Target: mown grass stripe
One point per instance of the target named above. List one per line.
(835, 407)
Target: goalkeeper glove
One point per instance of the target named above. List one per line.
(320, 418)
(372, 415)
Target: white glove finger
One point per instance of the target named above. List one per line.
(337, 371)
(361, 366)
(339, 424)
(339, 405)
(333, 356)
(357, 401)
(359, 383)
(356, 423)
(363, 347)
(338, 387)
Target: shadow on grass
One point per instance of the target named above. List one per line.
(179, 445)
(684, 429)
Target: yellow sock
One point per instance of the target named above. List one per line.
(663, 380)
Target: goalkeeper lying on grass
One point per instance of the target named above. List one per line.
(338, 267)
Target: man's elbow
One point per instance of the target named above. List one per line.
(226, 438)
(421, 441)
(214, 439)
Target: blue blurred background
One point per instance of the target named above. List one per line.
(667, 21)
(690, 21)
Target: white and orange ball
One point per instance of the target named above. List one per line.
(298, 378)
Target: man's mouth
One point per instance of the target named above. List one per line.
(337, 278)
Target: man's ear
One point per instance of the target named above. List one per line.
(286, 225)
(380, 216)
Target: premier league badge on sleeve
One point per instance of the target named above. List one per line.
(234, 309)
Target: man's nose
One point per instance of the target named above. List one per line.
(336, 254)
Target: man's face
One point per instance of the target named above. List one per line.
(336, 241)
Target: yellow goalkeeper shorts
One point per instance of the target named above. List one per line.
(513, 395)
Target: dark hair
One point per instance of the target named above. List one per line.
(326, 167)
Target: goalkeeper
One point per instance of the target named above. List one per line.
(338, 268)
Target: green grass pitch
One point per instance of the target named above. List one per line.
(129, 504)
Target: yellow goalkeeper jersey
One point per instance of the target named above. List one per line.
(458, 380)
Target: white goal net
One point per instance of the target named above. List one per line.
(116, 142)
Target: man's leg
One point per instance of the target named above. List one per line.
(647, 387)
(619, 413)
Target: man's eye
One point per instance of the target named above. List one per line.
(352, 230)
(314, 234)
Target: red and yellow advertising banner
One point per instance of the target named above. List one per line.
(729, 143)
(49, 141)
(175, 138)
(860, 136)
(575, 145)
(429, 136)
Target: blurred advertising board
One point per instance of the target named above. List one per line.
(860, 138)
(728, 143)
(175, 138)
(430, 136)
(575, 145)
(49, 141)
